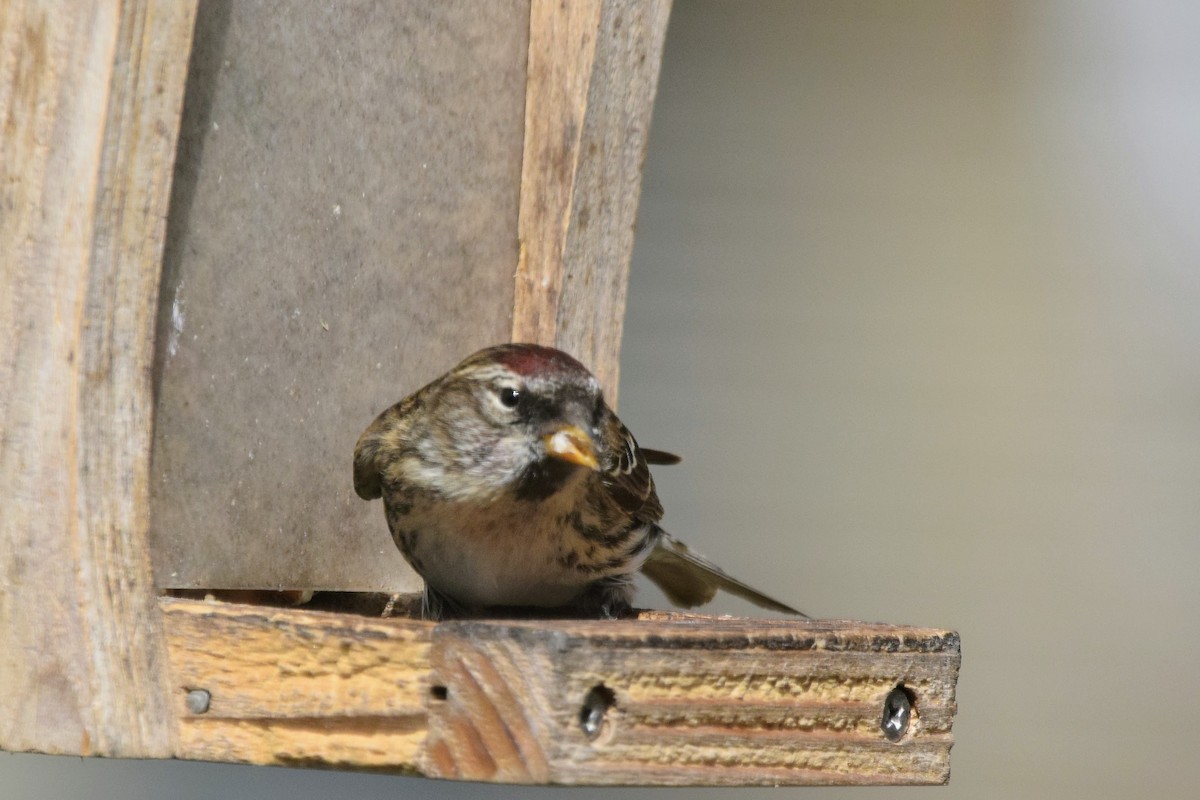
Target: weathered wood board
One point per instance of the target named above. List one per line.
(90, 97)
(669, 699)
(593, 73)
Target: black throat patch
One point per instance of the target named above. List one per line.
(544, 478)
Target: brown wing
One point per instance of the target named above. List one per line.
(689, 579)
(627, 475)
(377, 445)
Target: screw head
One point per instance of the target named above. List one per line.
(897, 713)
(198, 700)
(595, 708)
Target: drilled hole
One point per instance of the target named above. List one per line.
(594, 712)
(439, 692)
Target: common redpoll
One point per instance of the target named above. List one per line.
(509, 482)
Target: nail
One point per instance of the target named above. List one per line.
(198, 700)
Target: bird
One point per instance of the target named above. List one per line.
(509, 483)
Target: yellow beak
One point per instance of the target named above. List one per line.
(572, 444)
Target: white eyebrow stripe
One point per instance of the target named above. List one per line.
(491, 373)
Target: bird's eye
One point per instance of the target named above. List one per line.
(509, 397)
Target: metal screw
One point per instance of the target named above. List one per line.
(595, 708)
(897, 713)
(198, 700)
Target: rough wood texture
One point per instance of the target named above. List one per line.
(700, 701)
(593, 69)
(562, 47)
(90, 97)
(294, 687)
(694, 700)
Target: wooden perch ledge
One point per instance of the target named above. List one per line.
(667, 699)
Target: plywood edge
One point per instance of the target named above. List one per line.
(262, 685)
(665, 700)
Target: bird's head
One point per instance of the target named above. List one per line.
(515, 417)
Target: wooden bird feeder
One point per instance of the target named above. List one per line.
(358, 195)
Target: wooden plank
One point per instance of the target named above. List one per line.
(682, 699)
(90, 96)
(694, 702)
(562, 47)
(294, 687)
(593, 70)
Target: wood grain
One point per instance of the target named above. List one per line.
(562, 47)
(696, 700)
(294, 687)
(593, 70)
(90, 97)
(701, 702)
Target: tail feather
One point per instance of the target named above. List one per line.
(689, 579)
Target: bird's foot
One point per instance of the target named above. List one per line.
(608, 598)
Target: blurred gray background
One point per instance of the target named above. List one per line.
(916, 291)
